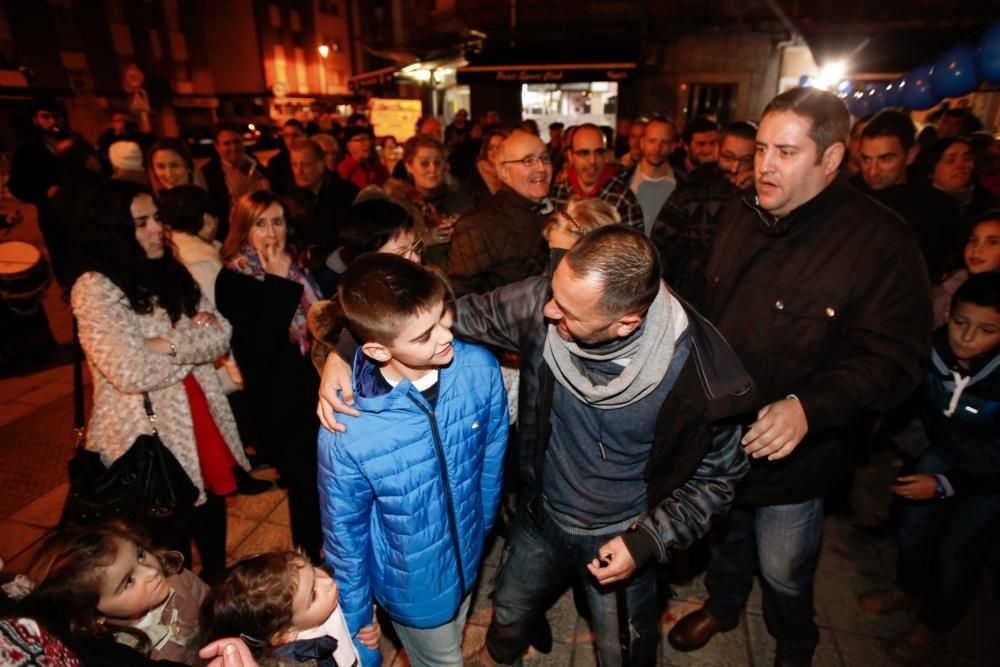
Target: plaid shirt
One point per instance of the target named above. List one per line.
(615, 192)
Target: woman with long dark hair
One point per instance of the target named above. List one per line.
(147, 330)
(265, 291)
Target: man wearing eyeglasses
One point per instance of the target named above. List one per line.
(501, 241)
(685, 227)
(591, 175)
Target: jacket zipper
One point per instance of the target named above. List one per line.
(449, 501)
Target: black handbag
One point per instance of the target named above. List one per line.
(145, 483)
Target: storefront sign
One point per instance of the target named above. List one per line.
(372, 79)
(396, 117)
(545, 73)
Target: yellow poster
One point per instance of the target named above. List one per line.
(396, 117)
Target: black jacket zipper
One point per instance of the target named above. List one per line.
(449, 501)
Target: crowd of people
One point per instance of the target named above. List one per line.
(608, 345)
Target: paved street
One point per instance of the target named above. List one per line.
(36, 439)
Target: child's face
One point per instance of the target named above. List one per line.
(982, 249)
(315, 598)
(132, 584)
(973, 331)
(425, 341)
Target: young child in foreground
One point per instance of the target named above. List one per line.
(103, 585)
(410, 491)
(284, 609)
(950, 505)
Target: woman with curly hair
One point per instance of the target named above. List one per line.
(149, 334)
(265, 291)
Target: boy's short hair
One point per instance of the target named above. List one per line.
(371, 224)
(183, 208)
(380, 291)
(980, 289)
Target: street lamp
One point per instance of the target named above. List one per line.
(324, 50)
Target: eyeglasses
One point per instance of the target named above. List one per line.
(587, 152)
(532, 161)
(417, 248)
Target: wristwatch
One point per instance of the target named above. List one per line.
(939, 490)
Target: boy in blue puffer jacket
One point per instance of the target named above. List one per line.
(950, 505)
(410, 491)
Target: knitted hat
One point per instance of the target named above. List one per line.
(352, 132)
(125, 155)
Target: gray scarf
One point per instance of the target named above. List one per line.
(645, 359)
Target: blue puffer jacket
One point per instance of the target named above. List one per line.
(410, 492)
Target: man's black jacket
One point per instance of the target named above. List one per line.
(830, 303)
(695, 460)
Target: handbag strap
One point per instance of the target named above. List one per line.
(78, 416)
(147, 403)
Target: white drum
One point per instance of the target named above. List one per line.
(24, 276)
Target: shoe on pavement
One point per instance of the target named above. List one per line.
(250, 486)
(886, 601)
(694, 630)
(917, 645)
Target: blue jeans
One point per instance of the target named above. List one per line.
(537, 560)
(943, 545)
(783, 540)
(435, 647)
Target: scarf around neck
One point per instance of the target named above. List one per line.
(248, 263)
(645, 359)
(606, 175)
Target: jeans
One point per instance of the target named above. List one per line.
(943, 545)
(783, 540)
(535, 566)
(435, 647)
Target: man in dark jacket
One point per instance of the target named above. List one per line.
(887, 149)
(501, 241)
(823, 295)
(231, 173)
(627, 449)
(33, 179)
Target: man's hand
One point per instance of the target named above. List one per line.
(336, 378)
(228, 652)
(915, 487)
(371, 634)
(620, 564)
(779, 429)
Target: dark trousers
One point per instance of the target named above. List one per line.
(943, 545)
(206, 525)
(537, 560)
(784, 541)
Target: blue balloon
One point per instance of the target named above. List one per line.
(858, 104)
(918, 93)
(894, 92)
(988, 54)
(955, 73)
(876, 98)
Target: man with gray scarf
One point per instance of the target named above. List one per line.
(628, 451)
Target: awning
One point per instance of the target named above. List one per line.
(548, 73)
(372, 79)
